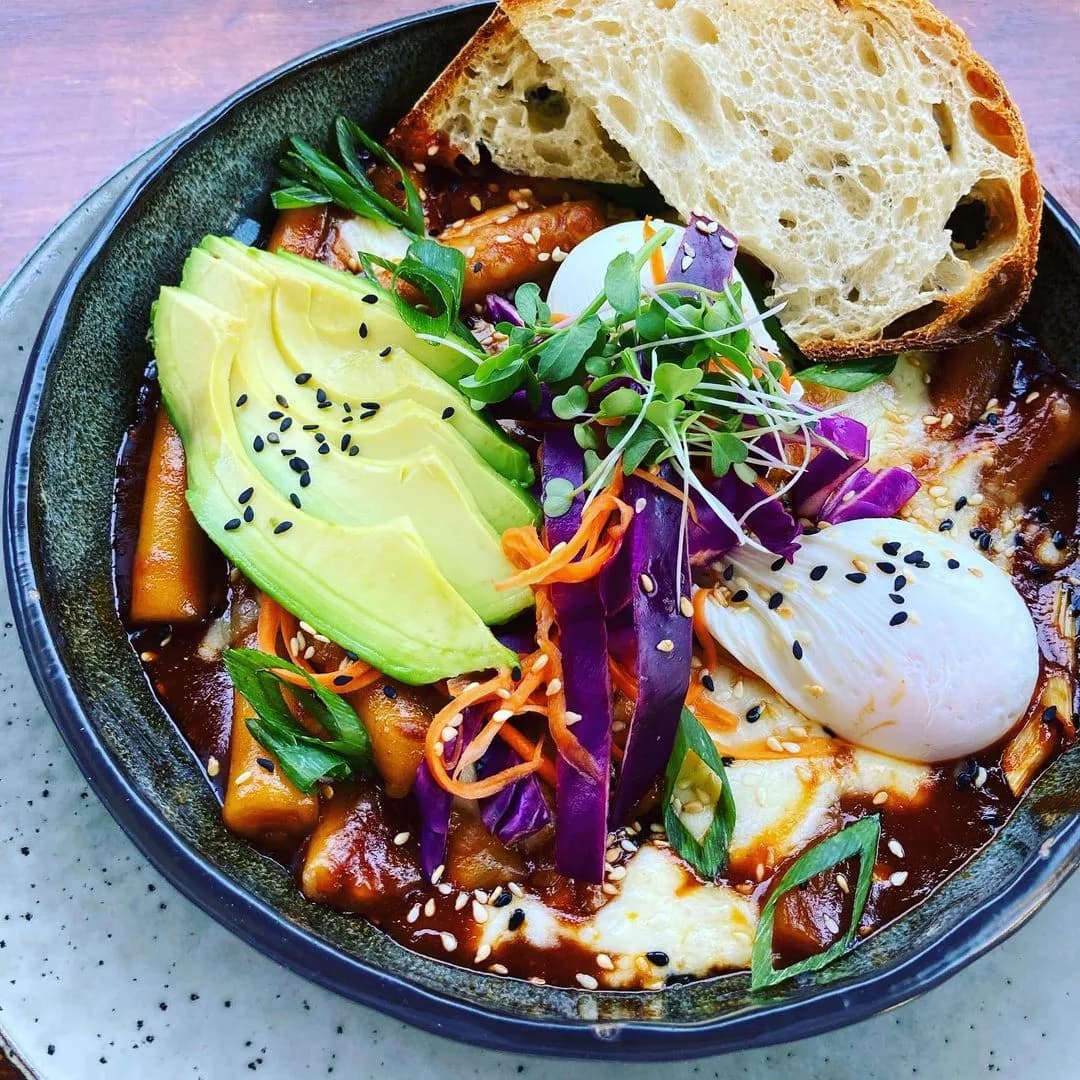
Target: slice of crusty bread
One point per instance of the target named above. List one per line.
(498, 95)
(860, 149)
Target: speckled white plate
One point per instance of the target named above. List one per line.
(106, 971)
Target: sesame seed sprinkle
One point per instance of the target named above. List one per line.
(245, 495)
(796, 650)
(775, 600)
(899, 618)
(818, 573)
(282, 527)
(241, 401)
(302, 378)
(896, 848)
(586, 981)
(648, 586)
(857, 578)
(232, 524)
(898, 878)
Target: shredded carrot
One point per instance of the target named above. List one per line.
(713, 716)
(526, 750)
(670, 489)
(709, 656)
(656, 260)
(582, 557)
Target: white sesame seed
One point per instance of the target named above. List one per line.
(479, 912)
(791, 747)
(503, 693)
(414, 914)
(420, 167)
(541, 662)
(617, 873)
(436, 877)
(482, 953)
(243, 778)
(831, 924)
(640, 505)
(475, 203)
(881, 798)
(327, 792)
(460, 900)
(494, 894)
(516, 889)
(586, 981)
(898, 878)
(558, 255)
(570, 718)
(608, 889)
(648, 586)
(842, 881)
(553, 687)
(759, 871)
(930, 421)
(439, 748)
(536, 980)
(666, 646)
(449, 942)
(429, 907)
(1033, 396)
(147, 657)
(499, 969)
(977, 499)
(946, 420)
(529, 239)
(448, 734)
(774, 744)
(628, 845)
(213, 766)
(981, 777)
(502, 238)
(798, 731)
(605, 962)
(309, 652)
(481, 895)
(401, 838)
(543, 256)
(896, 848)
(686, 607)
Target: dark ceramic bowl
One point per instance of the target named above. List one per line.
(78, 398)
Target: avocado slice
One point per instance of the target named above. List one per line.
(397, 430)
(374, 589)
(445, 362)
(312, 319)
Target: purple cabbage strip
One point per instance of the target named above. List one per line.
(771, 522)
(519, 810)
(663, 677)
(498, 309)
(870, 494)
(706, 255)
(581, 801)
(519, 634)
(828, 469)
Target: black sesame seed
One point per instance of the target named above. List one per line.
(363, 329)
(899, 583)
(729, 572)
(976, 533)
(984, 541)
(828, 731)
(1059, 540)
(273, 437)
(370, 405)
(886, 567)
(257, 444)
(709, 684)
(305, 479)
(353, 451)
(265, 763)
(856, 578)
(282, 400)
(891, 548)
(448, 412)
(1035, 570)
(796, 650)
(1046, 495)
(960, 503)
(245, 495)
(753, 714)
(924, 565)
(320, 395)
(345, 440)
(818, 573)
(896, 598)
(1040, 515)
(680, 980)
(241, 400)
(914, 557)
(320, 437)
(517, 917)
(347, 419)
(302, 378)
(384, 353)
(739, 597)
(946, 525)
(898, 619)
(249, 514)
(287, 452)
(953, 564)
(371, 298)
(275, 414)
(325, 405)
(388, 690)
(965, 774)
(367, 414)
(231, 524)
(775, 600)
(298, 464)
(294, 499)
(285, 424)
(477, 267)
(1049, 714)
(346, 407)
(503, 899)
(778, 565)
(660, 959)
(311, 427)
(282, 527)
(342, 680)
(515, 673)
(324, 448)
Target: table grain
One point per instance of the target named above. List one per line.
(86, 84)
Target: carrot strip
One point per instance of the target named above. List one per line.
(527, 750)
(656, 260)
(708, 712)
(701, 631)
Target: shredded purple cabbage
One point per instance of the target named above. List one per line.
(706, 255)
(870, 494)
(769, 520)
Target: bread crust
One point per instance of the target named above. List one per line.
(995, 294)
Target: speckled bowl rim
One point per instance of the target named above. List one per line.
(263, 927)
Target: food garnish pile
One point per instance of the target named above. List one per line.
(557, 614)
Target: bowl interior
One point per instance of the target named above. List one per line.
(79, 399)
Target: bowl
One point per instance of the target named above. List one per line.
(78, 398)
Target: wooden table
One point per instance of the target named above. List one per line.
(87, 84)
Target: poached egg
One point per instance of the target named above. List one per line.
(580, 276)
(899, 639)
